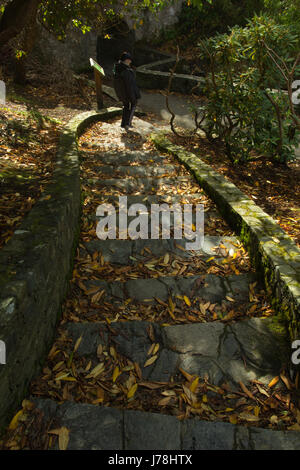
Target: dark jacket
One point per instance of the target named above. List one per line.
(125, 84)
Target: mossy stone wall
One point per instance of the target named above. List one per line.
(35, 267)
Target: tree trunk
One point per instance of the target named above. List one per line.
(26, 44)
(16, 16)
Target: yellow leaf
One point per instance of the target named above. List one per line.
(99, 350)
(204, 399)
(98, 400)
(132, 391)
(116, 373)
(100, 393)
(166, 258)
(61, 376)
(95, 299)
(77, 343)
(96, 371)
(294, 427)
(187, 300)
(150, 361)
(256, 410)
(169, 393)
(171, 308)
(14, 422)
(164, 401)
(58, 365)
(27, 405)
(150, 350)
(93, 290)
(273, 382)
(190, 396)
(194, 385)
(171, 305)
(233, 419)
(248, 416)
(188, 376)
(63, 437)
(112, 352)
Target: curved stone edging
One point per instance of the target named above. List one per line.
(273, 253)
(34, 269)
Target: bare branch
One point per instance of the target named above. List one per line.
(168, 93)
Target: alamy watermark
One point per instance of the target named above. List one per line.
(296, 354)
(296, 93)
(2, 352)
(2, 92)
(186, 222)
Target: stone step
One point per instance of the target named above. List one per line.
(136, 171)
(142, 185)
(129, 252)
(125, 158)
(94, 427)
(209, 288)
(220, 353)
(188, 203)
(170, 199)
(167, 229)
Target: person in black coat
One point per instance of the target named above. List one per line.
(126, 88)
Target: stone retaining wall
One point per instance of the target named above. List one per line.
(273, 253)
(34, 269)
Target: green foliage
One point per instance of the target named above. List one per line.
(247, 108)
(284, 11)
(55, 15)
(203, 19)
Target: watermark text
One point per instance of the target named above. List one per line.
(154, 223)
(2, 352)
(2, 92)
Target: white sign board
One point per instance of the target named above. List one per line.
(97, 66)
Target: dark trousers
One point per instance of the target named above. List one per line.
(128, 112)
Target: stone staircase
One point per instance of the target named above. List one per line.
(218, 352)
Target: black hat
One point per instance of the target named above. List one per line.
(124, 56)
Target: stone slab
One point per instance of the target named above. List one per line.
(149, 431)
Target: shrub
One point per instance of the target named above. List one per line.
(248, 108)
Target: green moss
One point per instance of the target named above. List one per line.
(15, 176)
